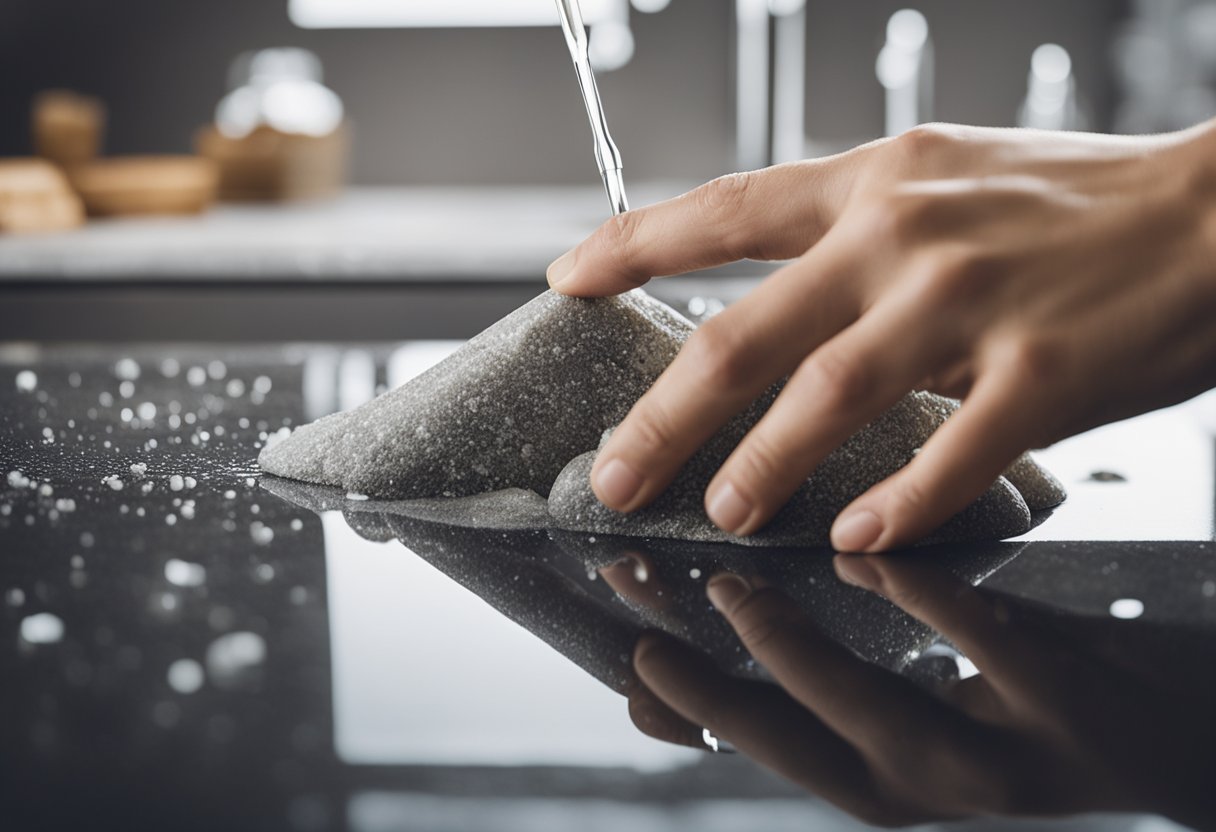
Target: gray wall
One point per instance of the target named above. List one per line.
(489, 106)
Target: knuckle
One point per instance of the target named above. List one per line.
(907, 501)
(902, 595)
(1035, 360)
(651, 428)
(720, 356)
(619, 238)
(726, 195)
(906, 218)
(842, 381)
(926, 139)
(759, 462)
(723, 202)
(759, 619)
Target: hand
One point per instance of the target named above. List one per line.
(1054, 282)
(1046, 728)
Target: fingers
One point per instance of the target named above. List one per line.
(635, 579)
(860, 702)
(726, 364)
(959, 463)
(977, 626)
(835, 392)
(757, 718)
(772, 214)
(654, 718)
(919, 750)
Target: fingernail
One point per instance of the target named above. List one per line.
(858, 571)
(560, 269)
(616, 483)
(726, 590)
(728, 509)
(854, 532)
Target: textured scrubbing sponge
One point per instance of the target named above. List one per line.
(525, 403)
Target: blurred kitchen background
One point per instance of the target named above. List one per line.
(442, 143)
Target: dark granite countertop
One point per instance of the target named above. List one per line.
(185, 643)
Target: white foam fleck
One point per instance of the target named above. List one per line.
(146, 411)
(138, 469)
(1127, 608)
(351, 495)
(196, 376)
(177, 482)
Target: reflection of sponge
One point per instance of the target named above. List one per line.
(534, 393)
(34, 196)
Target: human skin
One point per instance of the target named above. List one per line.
(1052, 281)
(1058, 721)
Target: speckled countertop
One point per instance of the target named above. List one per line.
(187, 644)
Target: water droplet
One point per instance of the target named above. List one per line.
(261, 533)
(231, 658)
(126, 369)
(27, 381)
(184, 573)
(42, 628)
(185, 676)
(1127, 608)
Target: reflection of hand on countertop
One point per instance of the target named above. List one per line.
(1048, 727)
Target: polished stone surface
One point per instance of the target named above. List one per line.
(184, 644)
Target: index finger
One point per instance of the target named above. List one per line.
(771, 214)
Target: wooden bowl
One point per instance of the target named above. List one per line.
(126, 185)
